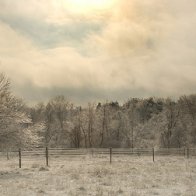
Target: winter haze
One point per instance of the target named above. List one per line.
(113, 49)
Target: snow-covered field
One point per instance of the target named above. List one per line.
(87, 175)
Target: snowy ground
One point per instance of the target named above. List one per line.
(87, 175)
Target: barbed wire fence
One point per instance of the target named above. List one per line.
(46, 155)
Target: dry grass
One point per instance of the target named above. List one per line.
(95, 176)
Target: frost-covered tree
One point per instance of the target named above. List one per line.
(187, 108)
(13, 119)
(58, 115)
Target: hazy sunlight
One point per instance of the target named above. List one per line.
(87, 5)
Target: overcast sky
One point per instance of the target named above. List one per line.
(98, 50)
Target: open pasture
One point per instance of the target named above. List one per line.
(92, 174)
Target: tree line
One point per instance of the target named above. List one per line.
(137, 123)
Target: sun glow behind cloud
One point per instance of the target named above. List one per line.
(83, 6)
(104, 49)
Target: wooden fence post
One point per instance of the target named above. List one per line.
(46, 156)
(187, 153)
(8, 155)
(153, 154)
(110, 155)
(19, 154)
(92, 152)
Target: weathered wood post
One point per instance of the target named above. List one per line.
(110, 155)
(8, 155)
(46, 156)
(92, 152)
(184, 152)
(153, 154)
(187, 153)
(20, 160)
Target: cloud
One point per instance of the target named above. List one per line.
(135, 49)
(154, 43)
(44, 67)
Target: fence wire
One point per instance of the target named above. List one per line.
(54, 156)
